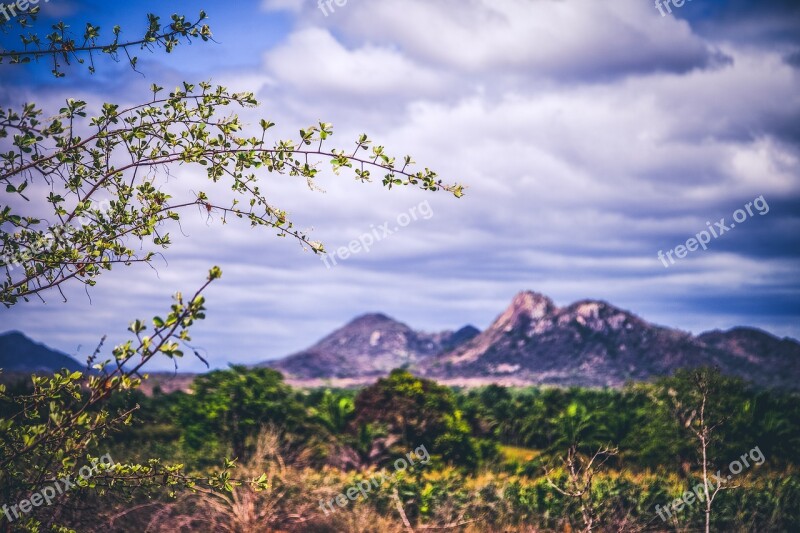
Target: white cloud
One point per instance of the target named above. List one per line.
(313, 61)
(579, 38)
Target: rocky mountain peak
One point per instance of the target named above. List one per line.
(600, 316)
(528, 306)
(373, 320)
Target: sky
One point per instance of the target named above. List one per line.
(590, 136)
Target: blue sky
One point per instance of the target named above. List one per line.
(591, 135)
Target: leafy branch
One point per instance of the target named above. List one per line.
(64, 417)
(114, 159)
(62, 47)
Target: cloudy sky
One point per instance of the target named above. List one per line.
(591, 136)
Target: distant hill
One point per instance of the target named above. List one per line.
(370, 345)
(779, 358)
(18, 353)
(588, 343)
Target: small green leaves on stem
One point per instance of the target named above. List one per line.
(61, 47)
(105, 188)
(65, 416)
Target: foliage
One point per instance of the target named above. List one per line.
(227, 409)
(422, 413)
(638, 419)
(62, 421)
(61, 46)
(513, 493)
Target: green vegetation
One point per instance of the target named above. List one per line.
(496, 455)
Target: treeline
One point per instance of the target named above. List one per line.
(639, 420)
(226, 410)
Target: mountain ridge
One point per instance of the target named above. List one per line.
(586, 343)
(533, 341)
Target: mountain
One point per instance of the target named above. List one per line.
(370, 345)
(593, 343)
(18, 353)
